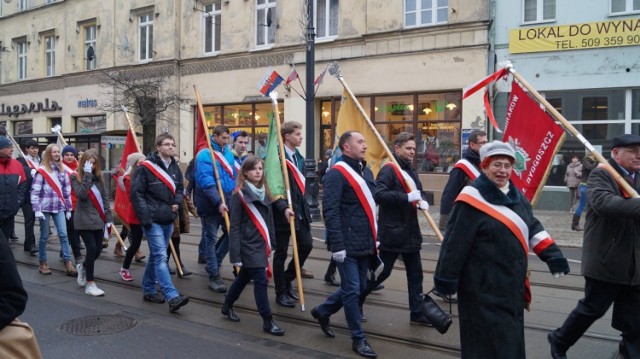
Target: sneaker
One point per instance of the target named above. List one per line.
(125, 275)
(93, 290)
(82, 275)
(217, 285)
(177, 302)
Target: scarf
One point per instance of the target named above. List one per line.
(258, 191)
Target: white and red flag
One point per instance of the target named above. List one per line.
(535, 136)
(269, 82)
(293, 75)
(484, 83)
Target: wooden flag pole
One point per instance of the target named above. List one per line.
(171, 247)
(287, 185)
(572, 130)
(334, 70)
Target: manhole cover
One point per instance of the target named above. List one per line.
(98, 325)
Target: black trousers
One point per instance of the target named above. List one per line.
(281, 278)
(93, 242)
(134, 240)
(6, 228)
(598, 298)
(74, 237)
(29, 222)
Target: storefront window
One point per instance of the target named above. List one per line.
(394, 108)
(91, 124)
(22, 127)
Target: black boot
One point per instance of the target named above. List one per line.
(227, 309)
(575, 223)
(271, 327)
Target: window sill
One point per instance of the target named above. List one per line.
(529, 23)
(624, 13)
(425, 25)
(320, 40)
(262, 48)
(211, 54)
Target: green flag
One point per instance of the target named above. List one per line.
(272, 166)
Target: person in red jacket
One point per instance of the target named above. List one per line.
(133, 160)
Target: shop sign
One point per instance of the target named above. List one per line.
(17, 110)
(592, 35)
(87, 103)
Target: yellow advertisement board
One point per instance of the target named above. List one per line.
(591, 35)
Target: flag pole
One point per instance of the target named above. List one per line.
(225, 215)
(15, 144)
(287, 185)
(171, 247)
(335, 70)
(572, 130)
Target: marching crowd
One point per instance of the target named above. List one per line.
(370, 222)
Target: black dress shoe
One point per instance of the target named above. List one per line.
(202, 260)
(177, 302)
(556, 352)
(422, 320)
(364, 349)
(272, 328)
(292, 294)
(227, 309)
(285, 301)
(185, 273)
(153, 298)
(171, 271)
(13, 237)
(331, 280)
(324, 323)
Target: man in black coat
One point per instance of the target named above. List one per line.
(610, 255)
(398, 227)
(156, 195)
(351, 235)
(32, 149)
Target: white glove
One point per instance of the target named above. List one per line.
(109, 225)
(422, 204)
(377, 244)
(414, 196)
(239, 264)
(88, 167)
(558, 275)
(39, 215)
(339, 256)
(33, 172)
(67, 215)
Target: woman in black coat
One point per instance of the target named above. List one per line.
(484, 258)
(252, 236)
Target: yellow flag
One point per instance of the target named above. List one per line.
(350, 119)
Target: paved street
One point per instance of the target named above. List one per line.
(199, 331)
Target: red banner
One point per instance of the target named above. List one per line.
(535, 136)
(122, 203)
(202, 140)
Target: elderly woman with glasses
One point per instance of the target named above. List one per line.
(484, 258)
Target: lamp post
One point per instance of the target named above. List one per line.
(311, 185)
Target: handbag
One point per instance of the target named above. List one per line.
(18, 341)
(440, 319)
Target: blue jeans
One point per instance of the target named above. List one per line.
(210, 226)
(158, 236)
(353, 281)
(61, 225)
(583, 199)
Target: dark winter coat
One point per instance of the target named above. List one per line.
(29, 177)
(611, 249)
(346, 222)
(398, 227)
(13, 297)
(589, 163)
(457, 180)
(86, 216)
(151, 198)
(13, 185)
(300, 205)
(485, 263)
(246, 244)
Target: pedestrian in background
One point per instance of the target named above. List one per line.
(29, 162)
(70, 165)
(135, 233)
(572, 180)
(93, 218)
(252, 236)
(588, 164)
(51, 200)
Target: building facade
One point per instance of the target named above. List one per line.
(407, 62)
(585, 60)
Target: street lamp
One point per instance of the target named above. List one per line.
(311, 186)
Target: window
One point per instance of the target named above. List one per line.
(22, 59)
(425, 12)
(212, 19)
(326, 18)
(539, 10)
(146, 37)
(50, 1)
(265, 30)
(50, 55)
(621, 6)
(22, 127)
(22, 5)
(89, 43)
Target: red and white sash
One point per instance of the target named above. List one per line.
(237, 164)
(53, 181)
(260, 224)
(363, 193)
(297, 175)
(68, 170)
(468, 168)
(617, 177)
(30, 163)
(405, 179)
(96, 199)
(223, 161)
(161, 174)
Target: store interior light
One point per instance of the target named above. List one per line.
(325, 113)
(451, 106)
(410, 107)
(426, 111)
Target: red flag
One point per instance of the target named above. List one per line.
(535, 136)
(202, 140)
(320, 77)
(292, 76)
(122, 203)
